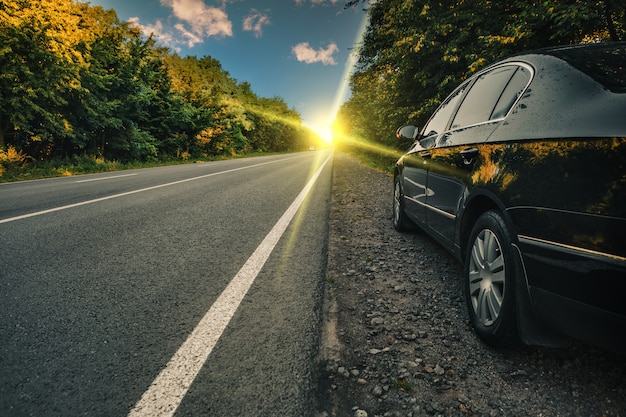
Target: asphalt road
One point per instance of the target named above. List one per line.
(103, 279)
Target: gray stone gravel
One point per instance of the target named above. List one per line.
(397, 339)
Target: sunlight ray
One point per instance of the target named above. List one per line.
(343, 90)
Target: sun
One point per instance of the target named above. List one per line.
(324, 132)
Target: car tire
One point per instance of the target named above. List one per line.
(400, 222)
(490, 272)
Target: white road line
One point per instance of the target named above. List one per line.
(97, 200)
(170, 387)
(105, 178)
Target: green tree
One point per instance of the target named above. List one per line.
(40, 67)
(77, 81)
(276, 127)
(415, 52)
(96, 109)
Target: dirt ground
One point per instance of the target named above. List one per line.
(397, 340)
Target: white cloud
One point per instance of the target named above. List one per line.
(305, 53)
(192, 38)
(157, 31)
(255, 21)
(299, 2)
(193, 22)
(147, 29)
(202, 19)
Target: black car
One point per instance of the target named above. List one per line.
(521, 174)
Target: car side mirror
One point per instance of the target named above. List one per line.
(407, 133)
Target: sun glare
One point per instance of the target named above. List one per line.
(343, 91)
(322, 126)
(324, 133)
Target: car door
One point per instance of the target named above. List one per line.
(456, 153)
(415, 181)
(415, 171)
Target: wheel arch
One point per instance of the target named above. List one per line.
(398, 167)
(477, 204)
(531, 330)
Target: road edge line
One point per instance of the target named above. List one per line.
(169, 388)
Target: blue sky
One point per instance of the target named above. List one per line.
(300, 50)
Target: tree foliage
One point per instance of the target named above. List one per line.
(76, 81)
(414, 52)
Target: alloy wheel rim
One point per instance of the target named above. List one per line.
(396, 203)
(487, 277)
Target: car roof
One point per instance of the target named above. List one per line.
(604, 62)
(576, 91)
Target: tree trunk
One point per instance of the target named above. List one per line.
(609, 22)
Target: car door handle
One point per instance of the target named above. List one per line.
(469, 155)
(425, 154)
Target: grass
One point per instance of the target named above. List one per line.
(65, 168)
(15, 166)
(402, 385)
(383, 161)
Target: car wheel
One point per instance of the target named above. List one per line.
(490, 272)
(400, 222)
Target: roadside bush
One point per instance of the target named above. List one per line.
(11, 160)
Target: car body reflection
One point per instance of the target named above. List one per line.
(521, 173)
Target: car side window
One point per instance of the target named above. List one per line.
(480, 101)
(511, 93)
(439, 120)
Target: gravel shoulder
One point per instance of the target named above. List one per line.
(397, 340)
